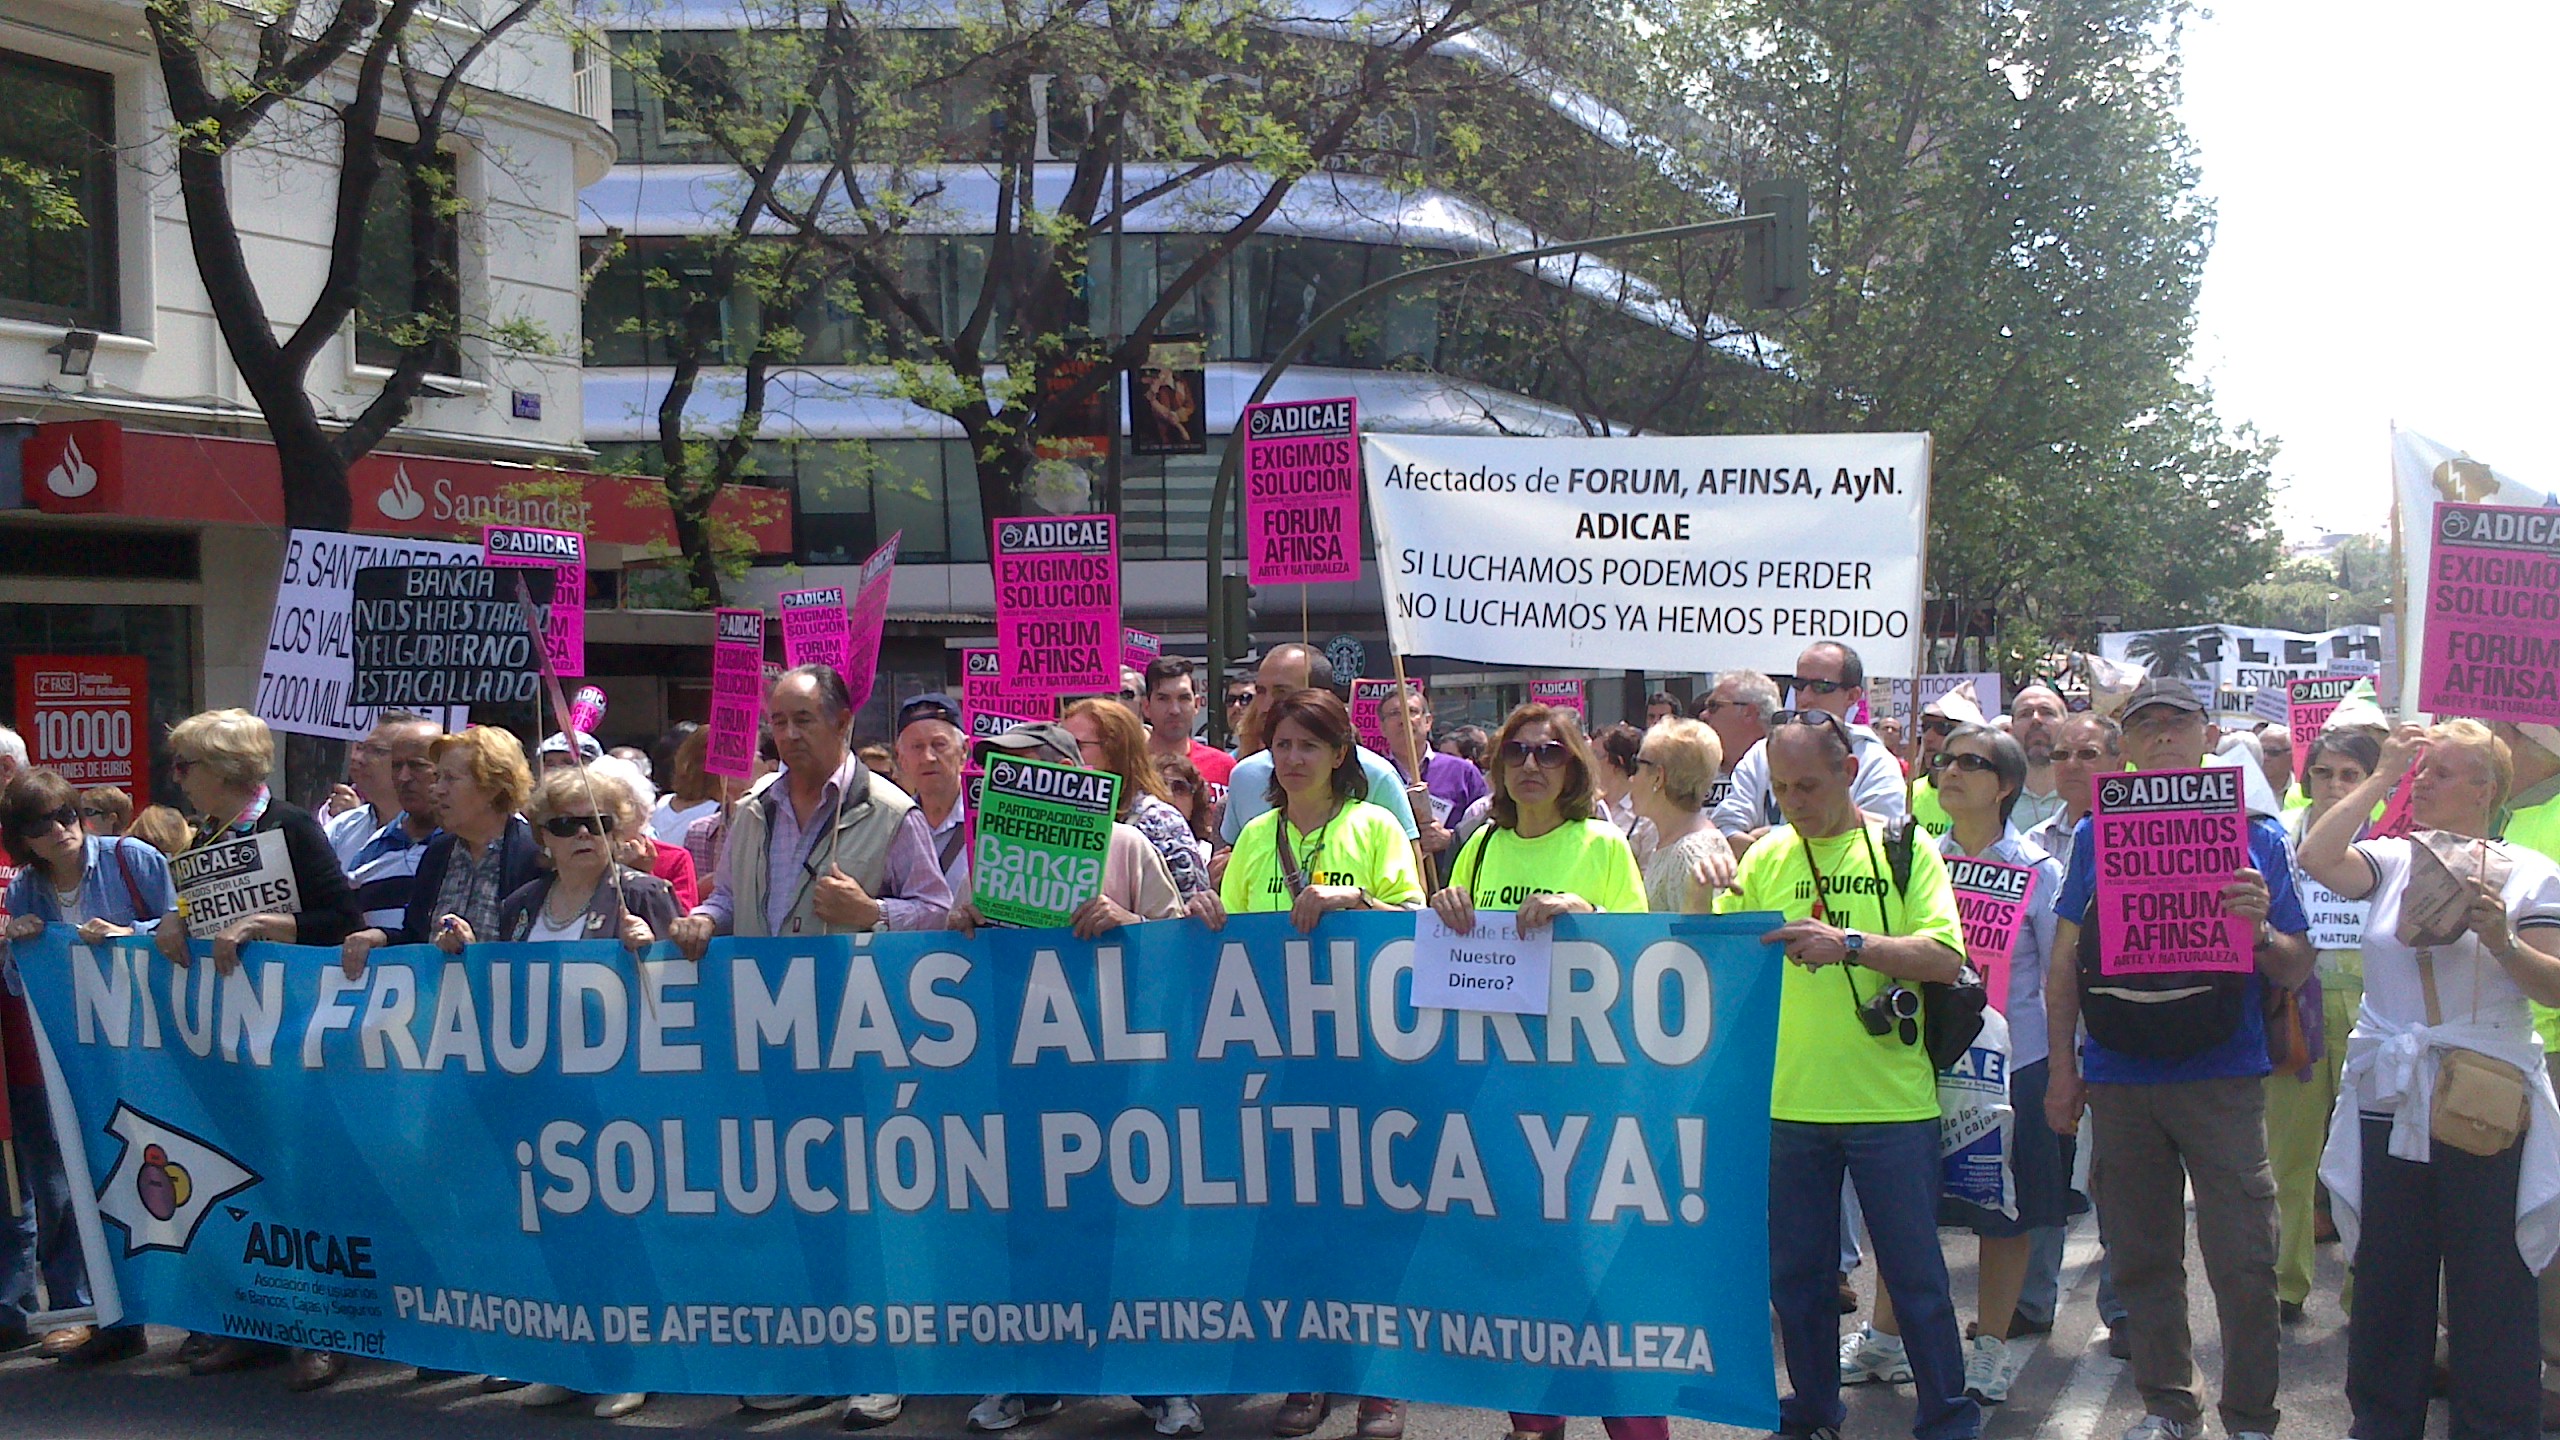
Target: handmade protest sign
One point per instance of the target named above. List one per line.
(2167, 842)
(1057, 587)
(867, 620)
(1493, 967)
(564, 553)
(305, 681)
(1561, 694)
(2492, 648)
(447, 635)
(1651, 553)
(2308, 705)
(223, 881)
(1164, 1161)
(1991, 901)
(737, 691)
(1302, 492)
(1043, 830)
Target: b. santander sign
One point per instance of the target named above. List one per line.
(97, 467)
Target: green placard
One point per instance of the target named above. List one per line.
(1043, 830)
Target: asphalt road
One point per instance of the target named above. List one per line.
(2069, 1389)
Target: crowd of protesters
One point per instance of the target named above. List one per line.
(2378, 1079)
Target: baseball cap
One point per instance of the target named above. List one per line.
(556, 743)
(2161, 690)
(932, 705)
(1038, 740)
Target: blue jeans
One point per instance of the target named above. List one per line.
(44, 1237)
(1895, 1170)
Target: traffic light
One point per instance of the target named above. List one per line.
(1238, 612)
(1776, 257)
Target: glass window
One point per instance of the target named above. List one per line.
(387, 264)
(907, 494)
(163, 635)
(57, 194)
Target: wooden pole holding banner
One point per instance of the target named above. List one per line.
(1920, 632)
(1418, 787)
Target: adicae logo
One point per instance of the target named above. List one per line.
(165, 1183)
(72, 476)
(1012, 536)
(2113, 794)
(400, 499)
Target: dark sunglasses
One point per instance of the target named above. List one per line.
(2090, 756)
(1972, 764)
(68, 817)
(566, 826)
(1545, 755)
(1822, 687)
(1819, 719)
(1936, 725)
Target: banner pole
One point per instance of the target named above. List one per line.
(1430, 868)
(1306, 633)
(2403, 632)
(9, 1164)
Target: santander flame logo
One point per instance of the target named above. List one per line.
(400, 500)
(72, 476)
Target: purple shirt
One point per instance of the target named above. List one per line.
(914, 895)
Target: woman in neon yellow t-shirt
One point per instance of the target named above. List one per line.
(1545, 853)
(1321, 846)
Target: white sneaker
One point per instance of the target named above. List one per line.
(1003, 1412)
(1988, 1369)
(864, 1412)
(614, 1407)
(1177, 1416)
(1871, 1357)
(536, 1397)
(2160, 1427)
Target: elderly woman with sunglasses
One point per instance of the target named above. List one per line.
(1546, 853)
(580, 813)
(106, 886)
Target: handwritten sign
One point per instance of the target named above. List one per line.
(737, 691)
(2492, 644)
(1561, 694)
(1991, 902)
(564, 554)
(446, 635)
(867, 619)
(1492, 967)
(1043, 832)
(309, 669)
(2307, 707)
(1058, 603)
(2167, 842)
(222, 882)
(1302, 492)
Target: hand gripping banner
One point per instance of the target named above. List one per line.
(1165, 1161)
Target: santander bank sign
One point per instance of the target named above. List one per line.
(416, 495)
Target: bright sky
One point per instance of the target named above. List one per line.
(2381, 174)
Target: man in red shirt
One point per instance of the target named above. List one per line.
(1172, 711)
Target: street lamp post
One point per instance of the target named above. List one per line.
(1775, 219)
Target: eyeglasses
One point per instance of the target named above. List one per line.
(1936, 725)
(568, 826)
(1131, 696)
(1181, 787)
(1969, 763)
(1822, 687)
(1239, 697)
(1545, 755)
(2090, 756)
(68, 817)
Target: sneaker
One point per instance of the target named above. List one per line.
(614, 1407)
(2160, 1427)
(1987, 1371)
(1177, 1415)
(1003, 1412)
(869, 1412)
(1870, 1357)
(542, 1396)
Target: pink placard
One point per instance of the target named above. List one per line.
(1562, 694)
(2492, 648)
(737, 691)
(814, 630)
(1991, 901)
(1058, 603)
(1138, 649)
(1302, 491)
(869, 617)
(2307, 707)
(1366, 698)
(2167, 842)
(564, 552)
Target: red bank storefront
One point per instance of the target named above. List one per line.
(160, 551)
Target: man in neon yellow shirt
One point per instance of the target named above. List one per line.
(1853, 1091)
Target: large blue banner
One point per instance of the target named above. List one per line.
(1167, 1161)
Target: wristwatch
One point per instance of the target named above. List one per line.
(1856, 944)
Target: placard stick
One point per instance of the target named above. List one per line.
(1430, 867)
(1306, 633)
(9, 1164)
(586, 777)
